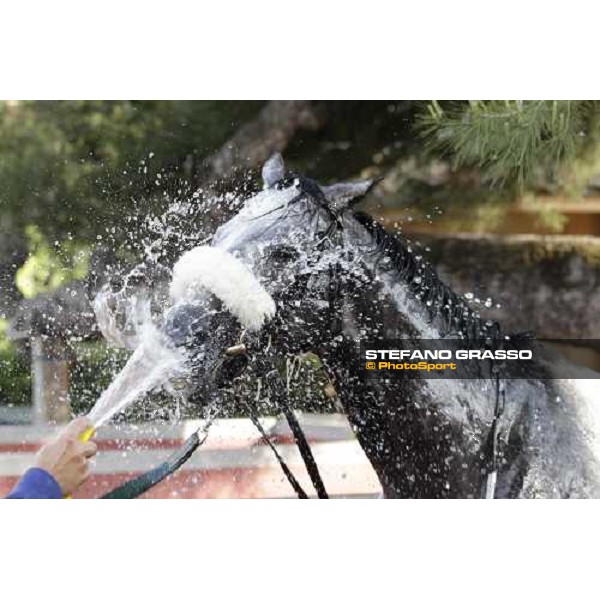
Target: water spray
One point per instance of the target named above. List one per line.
(160, 357)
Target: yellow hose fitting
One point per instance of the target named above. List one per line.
(83, 437)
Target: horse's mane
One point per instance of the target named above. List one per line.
(438, 299)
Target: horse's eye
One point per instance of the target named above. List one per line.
(283, 254)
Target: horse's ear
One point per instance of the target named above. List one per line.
(344, 195)
(273, 171)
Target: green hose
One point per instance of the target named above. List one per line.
(136, 487)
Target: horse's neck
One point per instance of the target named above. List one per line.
(391, 418)
(430, 438)
(425, 438)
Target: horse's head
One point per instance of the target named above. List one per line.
(274, 263)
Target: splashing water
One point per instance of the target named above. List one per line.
(151, 366)
(128, 319)
(137, 312)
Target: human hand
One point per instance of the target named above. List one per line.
(66, 457)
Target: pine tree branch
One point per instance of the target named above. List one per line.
(509, 141)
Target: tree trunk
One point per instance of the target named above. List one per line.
(50, 380)
(271, 131)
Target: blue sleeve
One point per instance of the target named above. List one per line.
(36, 484)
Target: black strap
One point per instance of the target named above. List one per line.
(498, 410)
(286, 470)
(279, 395)
(492, 442)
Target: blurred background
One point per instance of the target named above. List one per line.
(502, 196)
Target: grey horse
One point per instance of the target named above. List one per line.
(337, 278)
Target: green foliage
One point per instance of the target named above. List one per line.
(47, 268)
(79, 166)
(513, 141)
(551, 220)
(546, 216)
(15, 378)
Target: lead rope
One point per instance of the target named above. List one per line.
(276, 385)
(139, 485)
(286, 470)
(490, 482)
(277, 391)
